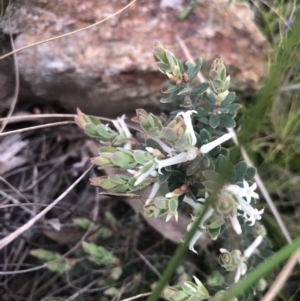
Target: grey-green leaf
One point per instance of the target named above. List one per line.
(214, 121)
(185, 91)
(250, 173)
(240, 170)
(226, 121)
(228, 99)
(200, 89)
(173, 97)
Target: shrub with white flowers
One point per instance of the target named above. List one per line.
(185, 153)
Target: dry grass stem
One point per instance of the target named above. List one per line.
(36, 128)
(67, 34)
(137, 296)
(8, 239)
(281, 278)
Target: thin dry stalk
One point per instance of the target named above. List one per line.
(67, 34)
(36, 128)
(28, 117)
(8, 239)
(281, 278)
(82, 290)
(137, 296)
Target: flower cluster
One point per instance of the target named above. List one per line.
(184, 154)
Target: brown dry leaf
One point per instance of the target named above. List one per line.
(65, 235)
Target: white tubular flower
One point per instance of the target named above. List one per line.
(252, 214)
(164, 146)
(251, 249)
(194, 239)
(248, 192)
(200, 229)
(211, 145)
(143, 176)
(180, 158)
(235, 224)
(192, 203)
(153, 193)
(123, 130)
(121, 126)
(189, 126)
(133, 172)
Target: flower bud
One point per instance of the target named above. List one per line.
(81, 119)
(150, 123)
(218, 79)
(225, 204)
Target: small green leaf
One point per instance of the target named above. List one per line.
(224, 151)
(234, 107)
(221, 163)
(212, 175)
(214, 121)
(193, 70)
(60, 266)
(218, 84)
(112, 291)
(210, 97)
(189, 287)
(170, 134)
(171, 59)
(226, 121)
(116, 273)
(240, 170)
(173, 205)
(104, 232)
(250, 173)
(82, 222)
(203, 120)
(45, 255)
(117, 179)
(172, 89)
(140, 157)
(173, 97)
(152, 143)
(110, 218)
(201, 113)
(90, 129)
(193, 167)
(200, 89)
(163, 67)
(98, 254)
(121, 158)
(204, 135)
(214, 233)
(185, 91)
(162, 178)
(228, 99)
(206, 161)
(212, 185)
(180, 66)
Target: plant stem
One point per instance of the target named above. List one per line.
(173, 263)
